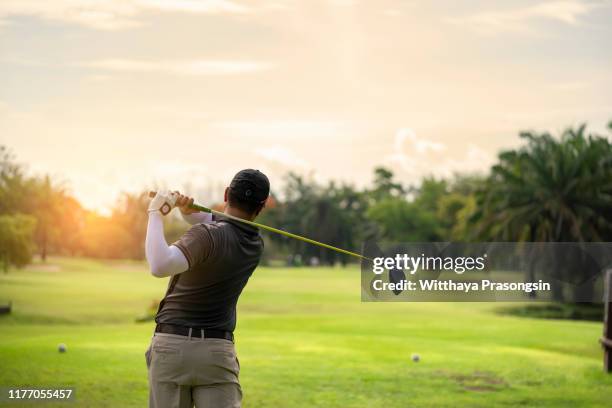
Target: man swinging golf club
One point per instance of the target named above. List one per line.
(192, 359)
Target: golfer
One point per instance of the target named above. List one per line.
(192, 359)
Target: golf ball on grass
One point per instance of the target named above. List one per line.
(415, 357)
(61, 348)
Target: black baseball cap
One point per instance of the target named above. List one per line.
(251, 185)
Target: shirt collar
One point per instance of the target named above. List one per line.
(243, 227)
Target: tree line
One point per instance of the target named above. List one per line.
(549, 189)
(39, 216)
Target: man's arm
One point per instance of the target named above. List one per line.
(164, 260)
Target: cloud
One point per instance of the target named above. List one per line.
(111, 14)
(521, 19)
(475, 159)
(410, 150)
(193, 67)
(418, 157)
(420, 146)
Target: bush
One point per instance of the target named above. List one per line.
(16, 237)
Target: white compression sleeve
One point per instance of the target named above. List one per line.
(197, 218)
(163, 260)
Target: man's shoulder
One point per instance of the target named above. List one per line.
(209, 227)
(235, 230)
(214, 229)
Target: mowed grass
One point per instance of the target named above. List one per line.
(304, 339)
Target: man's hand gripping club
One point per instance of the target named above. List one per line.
(164, 201)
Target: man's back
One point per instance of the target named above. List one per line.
(222, 256)
(192, 358)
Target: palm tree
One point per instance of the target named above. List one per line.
(550, 190)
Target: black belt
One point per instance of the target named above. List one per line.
(197, 332)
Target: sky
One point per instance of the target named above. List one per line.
(122, 95)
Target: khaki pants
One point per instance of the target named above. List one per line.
(184, 371)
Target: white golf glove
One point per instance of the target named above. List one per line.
(163, 202)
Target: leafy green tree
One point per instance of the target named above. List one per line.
(555, 190)
(407, 215)
(337, 216)
(130, 214)
(333, 214)
(71, 224)
(16, 240)
(102, 238)
(429, 193)
(14, 184)
(58, 215)
(456, 207)
(403, 221)
(448, 212)
(385, 186)
(46, 203)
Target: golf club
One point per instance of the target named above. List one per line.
(271, 229)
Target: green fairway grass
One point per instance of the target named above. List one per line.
(304, 339)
